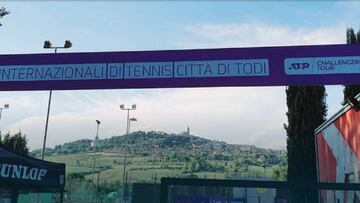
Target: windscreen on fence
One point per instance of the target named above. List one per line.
(175, 190)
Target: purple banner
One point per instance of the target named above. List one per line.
(267, 66)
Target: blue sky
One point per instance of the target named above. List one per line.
(215, 113)
(125, 25)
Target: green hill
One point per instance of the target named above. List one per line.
(181, 147)
(153, 155)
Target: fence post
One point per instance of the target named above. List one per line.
(62, 196)
(164, 188)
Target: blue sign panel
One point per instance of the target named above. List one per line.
(115, 70)
(322, 65)
(53, 72)
(223, 68)
(149, 70)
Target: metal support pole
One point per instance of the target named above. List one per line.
(0, 118)
(15, 195)
(46, 126)
(46, 129)
(62, 196)
(95, 147)
(1, 109)
(125, 155)
(164, 191)
(97, 134)
(128, 120)
(45, 135)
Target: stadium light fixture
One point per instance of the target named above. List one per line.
(48, 45)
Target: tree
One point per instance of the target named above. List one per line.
(352, 38)
(306, 111)
(17, 142)
(3, 12)
(280, 173)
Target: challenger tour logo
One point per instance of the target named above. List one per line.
(21, 172)
(297, 66)
(322, 65)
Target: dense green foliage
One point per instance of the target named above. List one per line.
(306, 111)
(280, 173)
(352, 38)
(17, 142)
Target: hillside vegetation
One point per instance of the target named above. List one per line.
(153, 155)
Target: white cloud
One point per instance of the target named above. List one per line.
(258, 34)
(228, 114)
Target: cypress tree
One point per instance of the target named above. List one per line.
(306, 111)
(352, 38)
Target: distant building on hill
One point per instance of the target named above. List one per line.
(187, 132)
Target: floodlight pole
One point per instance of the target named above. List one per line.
(95, 146)
(125, 154)
(6, 106)
(48, 45)
(128, 120)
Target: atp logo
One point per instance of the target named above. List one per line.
(299, 66)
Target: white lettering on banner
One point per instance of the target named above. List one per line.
(42, 173)
(53, 72)
(16, 171)
(21, 172)
(223, 68)
(5, 170)
(25, 173)
(135, 70)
